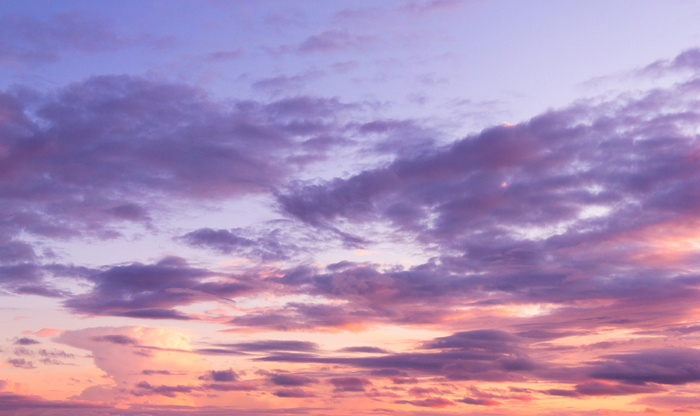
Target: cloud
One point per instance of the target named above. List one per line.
(480, 401)
(487, 340)
(561, 208)
(116, 339)
(291, 380)
(349, 384)
(17, 402)
(273, 345)
(269, 245)
(87, 158)
(143, 349)
(150, 291)
(159, 372)
(434, 402)
(21, 363)
(26, 341)
(333, 40)
(145, 389)
(370, 350)
(285, 83)
(466, 360)
(671, 366)
(45, 332)
(225, 55)
(30, 40)
(242, 386)
(687, 60)
(293, 393)
(597, 388)
(218, 376)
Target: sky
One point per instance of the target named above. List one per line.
(330, 208)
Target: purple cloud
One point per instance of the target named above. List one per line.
(291, 380)
(462, 357)
(269, 245)
(26, 341)
(370, 350)
(596, 388)
(219, 376)
(333, 41)
(145, 389)
(349, 384)
(273, 345)
(29, 40)
(158, 372)
(672, 366)
(116, 339)
(480, 401)
(151, 291)
(10, 402)
(86, 158)
(294, 393)
(21, 363)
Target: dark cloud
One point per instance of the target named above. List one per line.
(26, 341)
(297, 393)
(661, 366)
(561, 392)
(273, 345)
(116, 339)
(389, 372)
(370, 350)
(349, 384)
(480, 401)
(151, 291)
(294, 316)
(597, 388)
(21, 363)
(158, 372)
(10, 402)
(219, 376)
(291, 380)
(464, 357)
(486, 340)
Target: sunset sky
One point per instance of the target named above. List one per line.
(335, 208)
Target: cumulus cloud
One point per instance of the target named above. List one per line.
(151, 291)
(143, 349)
(89, 157)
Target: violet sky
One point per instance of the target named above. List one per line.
(330, 208)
